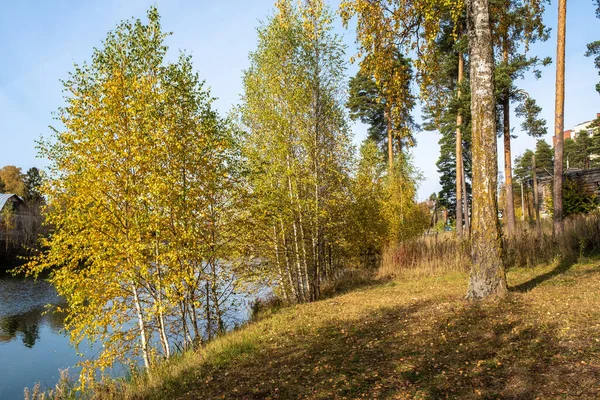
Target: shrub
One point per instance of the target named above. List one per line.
(576, 200)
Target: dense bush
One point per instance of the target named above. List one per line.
(576, 200)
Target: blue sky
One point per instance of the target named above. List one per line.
(42, 40)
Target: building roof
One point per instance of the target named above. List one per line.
(4, 197)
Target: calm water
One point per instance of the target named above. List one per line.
(33, 347)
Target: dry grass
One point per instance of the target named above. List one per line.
(64, 389)
(407, 339)
(442, 253)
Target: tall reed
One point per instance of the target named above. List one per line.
(528, 247)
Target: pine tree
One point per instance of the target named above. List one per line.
(447, 112)
(487, 273)
(33, 181)
(523, 166)
(385, 107)
(516, 24)
(544, 157)
(364, 104)
(385, 29)
(559, 120)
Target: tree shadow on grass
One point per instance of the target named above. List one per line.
(351, 281)
(563, 267)
(422, 350)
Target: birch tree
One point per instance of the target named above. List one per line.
(297, 146)
(143, 199)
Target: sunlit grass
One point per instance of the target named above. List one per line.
(406, 338)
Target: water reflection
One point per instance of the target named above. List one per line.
(26, 326)
(32, 345)
(23, 308)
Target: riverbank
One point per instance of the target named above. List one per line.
(406, 338)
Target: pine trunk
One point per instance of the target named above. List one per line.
(487, 270)
(536, 200)
(510, 204)
(522, 203)
(559, 119)
(459, 159)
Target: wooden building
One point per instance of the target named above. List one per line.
(589, 179)
(9, 201)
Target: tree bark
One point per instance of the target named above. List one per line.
(282, 282)
(295, 288)
(160, 306)
(510, 205)
(559, 119)
(529, 212)
(487, 271)
(522, 203)
(536, 200)
(302, 290)
(208, 313)
(459, 158)
(142, 328)
(388, 118)
(465, 202)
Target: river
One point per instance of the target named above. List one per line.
(33, 347)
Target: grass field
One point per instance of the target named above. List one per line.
(408, 339)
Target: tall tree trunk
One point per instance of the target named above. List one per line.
(459, 158)
(307, 281)
(142, 328)
(316, 239)
(216, 300)
(208, 313)
(215, 274)
(295, 288)
(522, 203)
(302, 289)
(160, 306)
(559, 119)
(300, 276)
(529, 212)
(467, 230)
(487, 271)
(510, 204)
(388, 118)
(194, 319)
(316, 235)
(536, 200)
(280, 271)
(183, 319)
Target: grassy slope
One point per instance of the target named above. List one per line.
(415, 338)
